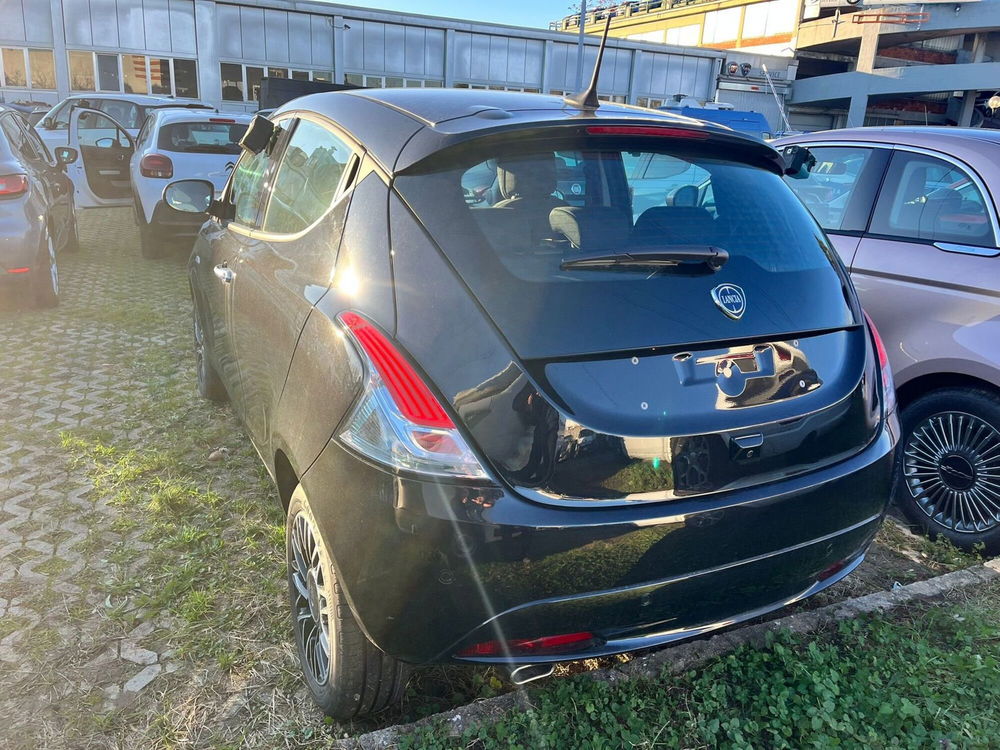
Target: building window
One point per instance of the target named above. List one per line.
(721, 25)
(254, 75)
(186, 78)
(685, 36)
(108, 77)
(81, 71)
(15, 73)
(242, 82)
(134, 74)
(232, 82)
(43, 68)
(354, 79)
(159, 76)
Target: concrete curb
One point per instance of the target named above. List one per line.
(685, 656)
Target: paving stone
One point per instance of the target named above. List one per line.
(60, 370)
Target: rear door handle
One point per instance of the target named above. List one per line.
(225, 273)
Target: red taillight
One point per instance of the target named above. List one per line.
(222, 119)
(411, 395)
(18, 270)
(549, 644)
(13, 184)
(156, 165)
(888, 386)
(653, 130)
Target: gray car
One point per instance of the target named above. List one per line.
(912, 212)
(37, 216)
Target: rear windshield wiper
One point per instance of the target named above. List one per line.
(709, 255)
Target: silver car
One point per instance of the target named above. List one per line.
(912, 213)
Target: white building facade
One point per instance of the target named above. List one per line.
(217, 51)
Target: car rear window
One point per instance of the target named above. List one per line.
(519, 219)
(534, 209)
(202, 137)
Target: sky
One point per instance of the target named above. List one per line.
(535, 13)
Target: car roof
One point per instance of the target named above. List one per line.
(197, 115)
(917, 135)
(144, 100)
(400, 126)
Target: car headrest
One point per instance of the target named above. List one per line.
(592, 228)
(685, 195)
(527, 177)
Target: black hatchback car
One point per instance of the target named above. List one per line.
(533, 427)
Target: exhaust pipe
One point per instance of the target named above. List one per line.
(526, 673)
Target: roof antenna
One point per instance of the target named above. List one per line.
(587, 99)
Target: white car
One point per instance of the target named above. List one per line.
(101, 129)
(179, 144)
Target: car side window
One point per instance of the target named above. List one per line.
(246, 187)
(60, 118)
(35, 145)
(307, 178)
(14, 135)
(828, 186)
(930, 199)
(123, 112)
(99, 130)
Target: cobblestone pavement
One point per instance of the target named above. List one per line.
(113, 636)
(63, 370)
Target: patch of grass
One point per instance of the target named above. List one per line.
(940, 555)
(927, 676)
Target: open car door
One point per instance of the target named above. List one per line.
(100, 173)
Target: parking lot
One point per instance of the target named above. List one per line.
(142, 592)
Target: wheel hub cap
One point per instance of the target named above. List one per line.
(951, 465)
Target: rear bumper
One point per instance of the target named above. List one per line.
(430, 568)
(175, 224)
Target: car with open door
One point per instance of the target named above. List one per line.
(913, 215)
(526, 427)
(100, 173)
(37, 216)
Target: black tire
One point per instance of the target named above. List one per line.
(948, 459)
(358, 678)
(45, 285)
(151, 245)
(210, 385)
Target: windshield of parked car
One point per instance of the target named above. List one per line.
(202, 137)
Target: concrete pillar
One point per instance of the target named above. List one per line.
(546, 83)
(968, 107)
(338, 49)
(978, 48)
(869, 48)
(449, 58)
(59, 49)
(209, 72)
(856, 114)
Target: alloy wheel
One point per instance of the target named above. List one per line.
(311, 605)
(951, 465)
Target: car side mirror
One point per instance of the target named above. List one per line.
(798, 161)
(48, 123)
(65, 155)
(258, 135)
(189, 196)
